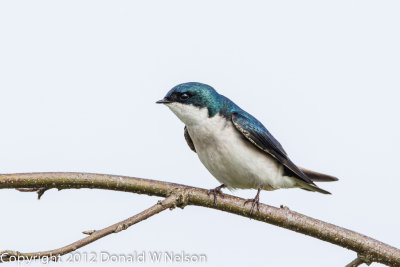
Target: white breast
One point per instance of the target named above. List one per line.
(227, 155)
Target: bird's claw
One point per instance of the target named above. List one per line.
(255, 201)
(216, 191)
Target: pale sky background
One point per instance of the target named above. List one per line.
(78, 82)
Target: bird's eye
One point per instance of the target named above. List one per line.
(184, 96)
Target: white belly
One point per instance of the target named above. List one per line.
(233, 160)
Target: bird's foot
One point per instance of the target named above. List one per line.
(216, 191)
(255, 202)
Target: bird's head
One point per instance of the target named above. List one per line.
(193, 102)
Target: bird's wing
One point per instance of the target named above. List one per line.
(189, 140)
(258, 135)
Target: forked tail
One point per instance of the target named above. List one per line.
(316, 177)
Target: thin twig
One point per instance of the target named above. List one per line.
(282, 217)
(355, 263)
(38, 191)
(167, 203)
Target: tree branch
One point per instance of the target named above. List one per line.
(366, 247)
(38, 191)
(355, 263)
(168, 203)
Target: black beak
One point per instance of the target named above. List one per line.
(163, 101)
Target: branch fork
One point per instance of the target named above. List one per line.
(175, 195)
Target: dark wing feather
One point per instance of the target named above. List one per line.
(257, 134)
(189, 140)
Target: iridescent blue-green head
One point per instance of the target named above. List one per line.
(192, 102)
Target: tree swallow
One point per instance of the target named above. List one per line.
(233, 145)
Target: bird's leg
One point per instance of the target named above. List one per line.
(256, 201)
(216, 191)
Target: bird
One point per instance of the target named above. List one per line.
(234, 146)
